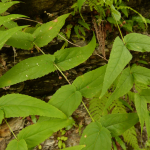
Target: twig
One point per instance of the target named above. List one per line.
(68, 41)
(101, 56)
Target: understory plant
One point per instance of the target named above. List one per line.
(112, 88)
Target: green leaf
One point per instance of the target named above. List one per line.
(67, 99)
(30, 68)
(5, 6)
(139, 19)
(1, 116)
(115, 13)
(21, 40)
(80, 3)
(137, 42)
(141, 108)
(84, 24)
(7, 18)
(5, 35)
(145, 94)
(46, 32)
(78, 147)
(124, 85)
(39, 132)
(125, 103)
(111, 20)
(119, 58)
(96, 137)
(90, 83)
(76, 30)
(141, 74)
(119, 123)
(11, 24)
(68, 58)
(16, 105)
(17, 145)
(122, 144)
(147, 123)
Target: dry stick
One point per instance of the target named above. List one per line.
(11, 130)
(101, 56)
(68, 41)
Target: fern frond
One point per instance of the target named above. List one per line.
(96, 107)
(117, 107)
(126, 7)
(130, 137)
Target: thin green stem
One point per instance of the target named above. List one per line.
(62, 73)
(119, 30)
(39, 49)
(11, 130)
(88, 111)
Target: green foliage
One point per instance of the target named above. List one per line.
(11, 105)
(130, 137)
(66, 99)
(119, 58)
(108, 87)
(93, 134)
(21, 144)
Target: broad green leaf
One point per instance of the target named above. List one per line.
(67, 99)
(115, 13)
(17, 145)
(78, 147)
(16, 105)
(1, 116)
(5, 35)
(68, 58)
(96, 137)
(90, 83)
(119, 123)
(7, 18)
(122, 144)
(147, 123)
(27, 69)
(39, 132)
(145, 94)
(124, 85)
(21, 40)
(5, 6)
(119, 58)
(46, 32)
(80, 3)
(10, 24)
(141, 74)
(141, 108)
(137, 42)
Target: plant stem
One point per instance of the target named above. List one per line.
(11, 130)
(88, 111)
(39, 49)
(62, 73)
(119, 31)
